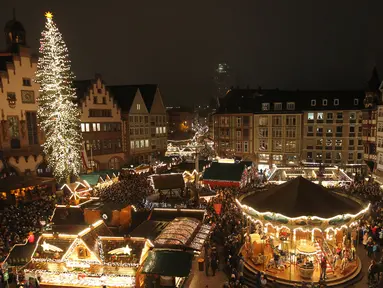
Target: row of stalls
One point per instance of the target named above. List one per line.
(159, 251)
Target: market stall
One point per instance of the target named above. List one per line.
(294, 226)
(93, 257)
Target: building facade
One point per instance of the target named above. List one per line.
(20, 138)
(101, 126)
(144, 121)
(290, 127)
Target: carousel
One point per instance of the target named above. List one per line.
(299, 230)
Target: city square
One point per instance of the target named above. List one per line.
(191, 179)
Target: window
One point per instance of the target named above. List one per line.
(238, 133)
(380, 126)
(310, 129)
(277, 120)
(138, 106)
(329, 130)
(164, 129)
(291, 146)
(350, 155)
(146, 143)
(352, 116)
(100, 113)
(103, 100)
(319, 130)
(319, 156)
(320, 115)
(351, 142)
(262, 145)
(94, 99)
(356, 102)
(290, 106)
(339, 129)
(290, 133)
(352, 129)
(359, 156)
(290, 120)
(338, 142)
(277, 157)
(239, 147)
(14, 127)
(277, 106)
(263, 121)
(27, 82)
(320, 142)
(336, 102)
(82, 127)
(157, 130)
(238, 121)
(328, 155)
(31, 118)
(245, 147)
(146, 119)
(309, 155)
(263, 132)
(277, 145)
(131, 119)
(87, 127)
(142, 143)
(313, 102)
(324, 102)
(329, 142)
(339, 115)
(265, 106)
(310, 116)
(96, 127)
(137, 144)
(277, 132)
(329, 116)
(160, 128)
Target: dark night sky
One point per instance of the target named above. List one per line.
(286, 44)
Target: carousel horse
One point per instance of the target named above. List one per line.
(375, 269)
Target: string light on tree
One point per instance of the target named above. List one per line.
(58, 113)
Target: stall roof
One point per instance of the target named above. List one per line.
(149, 229)
(17, 182)
(224, 172)
(168, 181)
(168, 263)
(169, 214)
(68, 216)
(301, 197)
(20, 254)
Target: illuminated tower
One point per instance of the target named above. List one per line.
(222, 79)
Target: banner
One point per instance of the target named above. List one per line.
(217, 208)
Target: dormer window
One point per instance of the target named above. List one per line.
(11, 97)
(336, 102)
(356, 101)
(313, 102)
(94, 99)
(290, 106)
(265, 106)
(324, 102)
(277, 106)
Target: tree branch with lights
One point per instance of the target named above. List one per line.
(58, 113)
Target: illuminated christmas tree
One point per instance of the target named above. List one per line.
(58, 112)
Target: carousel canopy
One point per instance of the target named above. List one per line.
(301, 197)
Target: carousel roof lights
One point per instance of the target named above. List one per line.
(304, 217)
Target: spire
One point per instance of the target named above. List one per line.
(374, 82)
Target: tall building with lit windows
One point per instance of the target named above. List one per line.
(101, 126)
(290, 127)
(222, 80)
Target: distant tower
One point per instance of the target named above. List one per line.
(14, 34)
(222, 79)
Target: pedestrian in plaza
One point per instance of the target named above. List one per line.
(323, 266)
(214, 265)
(207, 264)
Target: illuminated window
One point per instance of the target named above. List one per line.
(356, 101)
(131, 144)
(265, 106)
(142, 143)
(313, 102)
(310, 116)
(146, 143)
(138, 106)
(320, 115)
(336, 102)
(87, 127)
(82, 127)
(277, 106)
(164, 130)
(290, 106)
(137, 144)
(324, 102)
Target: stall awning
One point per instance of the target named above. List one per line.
(168, 263)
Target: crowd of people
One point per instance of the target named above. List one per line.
(131, 189)
(18, 222)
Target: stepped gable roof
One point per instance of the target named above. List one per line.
(301, 197)
(124, 95)
(82, 87)
(224, 172)
(5, 58)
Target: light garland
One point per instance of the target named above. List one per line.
(58, 113)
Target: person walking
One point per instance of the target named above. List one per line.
(323, 266)
(207, 265)
(214, 265)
